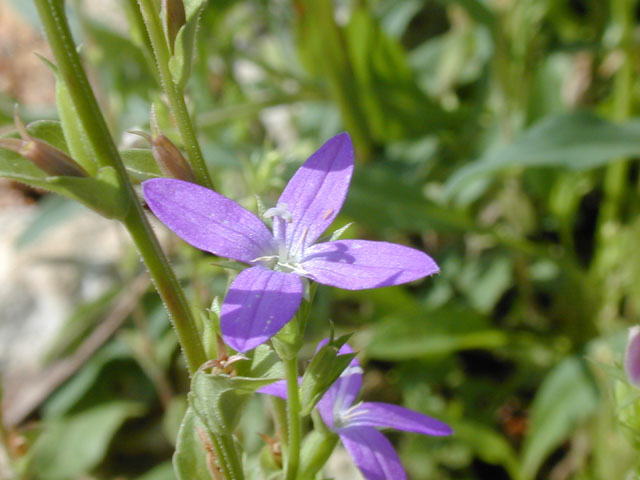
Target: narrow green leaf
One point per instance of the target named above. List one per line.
(440, 332)
(74, 445)
(579, 141)
(489, 445)
(567, 396)
(324, 369)
(102, 193)
(180, 62)
(190, 456)
(80, 148)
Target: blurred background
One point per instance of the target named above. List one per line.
(499, 136)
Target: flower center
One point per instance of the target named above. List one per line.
(284, 259)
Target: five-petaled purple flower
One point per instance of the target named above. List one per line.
(356, 423)
(264, 297)
(632, 356)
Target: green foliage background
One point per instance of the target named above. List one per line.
(499, 136)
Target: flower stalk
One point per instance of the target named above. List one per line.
(58, 34)
(174, 92)
(293, 418)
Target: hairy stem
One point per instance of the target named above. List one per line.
(174, 92)
(293, 416)
(228, 458)
(57, 31)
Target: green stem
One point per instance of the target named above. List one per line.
(293, 415)
(174, 92)
(615, 177)
(280, 417)
(57, 31)
(228, 458)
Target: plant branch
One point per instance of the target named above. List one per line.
(174, 92)
(58, 34)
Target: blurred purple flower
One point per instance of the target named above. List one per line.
(264, 297)
(632, 357)
(356, 424)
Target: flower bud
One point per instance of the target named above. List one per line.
(175, 18)
(166, 154)
(170, 160)
(45, 156)
(632, 357)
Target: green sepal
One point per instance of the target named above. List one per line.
(180, 62)
(140, 163)
(325, 368)
(217, 399)
(288, 341)
(316, 450)
(102, 193)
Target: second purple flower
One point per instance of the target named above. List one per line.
(264, 297)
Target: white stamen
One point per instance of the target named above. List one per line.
(281, 210)
(300, 245)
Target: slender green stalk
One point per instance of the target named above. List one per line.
(68, 62)
(280, 417)
(228, 458)
(173, 91)
(616, 174)
(293, 416)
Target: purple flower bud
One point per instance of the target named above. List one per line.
(632, 357)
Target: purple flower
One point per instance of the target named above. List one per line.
(264, 297)
(356, 423)
(632, 357)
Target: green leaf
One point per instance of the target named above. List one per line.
(440, 332)
(75, 445)
(399, 204)
(80, 148)
(324, 369)
(140, 163)
(190, 457)
(488, 445)
(218, 399)
(567, 396)
(164, 471)
(20, 169)
(102, 193)
(393, 104)
(180, 62)
(579, 141)
(52, 211)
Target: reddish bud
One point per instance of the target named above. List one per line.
(175, 18)
(166, 154)
(45, 156)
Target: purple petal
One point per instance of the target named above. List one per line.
(316, 192)
(259, 303)
(343, 392)
(386, 415)
(372, 453)
(208, 220)
(359, 264)
(277, 389)
(632, 356)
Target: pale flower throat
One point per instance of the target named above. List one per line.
(285, 260)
